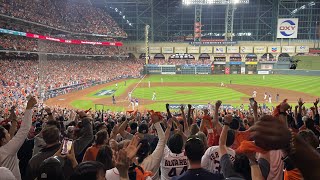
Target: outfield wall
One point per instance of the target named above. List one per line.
(262, 68)
(295, 72)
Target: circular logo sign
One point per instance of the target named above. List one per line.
(287, 28)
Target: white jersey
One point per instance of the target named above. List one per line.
(172, 164)
(113, 174)
(254, 94)
(211, 159)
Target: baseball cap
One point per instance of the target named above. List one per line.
(143, 128)
(51, 169)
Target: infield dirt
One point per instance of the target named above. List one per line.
(122, 101)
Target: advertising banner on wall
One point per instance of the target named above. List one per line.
(288, 49)
(260, 49)
(287, 28)
(243, 70)
(246, 49)
(263, 72)
(227, 70)
(302, 49)
(266, 66)
(167, 50)
(233, 49)
(219, 49)
(252, 63)
(274, 49)
(193, 50)
(154, 50)
(206, 49)
(180, 50)
(141, 49)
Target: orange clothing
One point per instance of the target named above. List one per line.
(91, 153)
(239, 137)
(292, 175)
(249, 147)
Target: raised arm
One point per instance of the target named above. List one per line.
(284, 106)
(299, 116)
(189, 115)
(153, 160)
(270, 134)
(168, 130)
(13, 146)
(185, 123)
(316, 116)
(216, 122)
(168, 112)
(122, 128)
(223, 135)
(14, 122)
(86, 136)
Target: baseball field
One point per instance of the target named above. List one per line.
(193, 89)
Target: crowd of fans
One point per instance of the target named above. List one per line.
(209, 144)
(18, 43)
(74, 17)
(18, 78)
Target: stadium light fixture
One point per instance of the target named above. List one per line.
(214, 2)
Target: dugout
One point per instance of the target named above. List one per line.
(143, 56)
(251, 61)
(204, 57)
(267, 57)
(159, 56)
(284, 57)
(267, 62)
(235, 64)
(219, 64)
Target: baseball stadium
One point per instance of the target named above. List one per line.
(118, 69)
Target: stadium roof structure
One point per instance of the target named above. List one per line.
(171, 20)
(214, 2)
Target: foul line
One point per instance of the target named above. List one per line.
(127, 98)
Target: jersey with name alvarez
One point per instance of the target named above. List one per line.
(173, 164)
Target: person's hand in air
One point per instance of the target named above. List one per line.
(270, 134)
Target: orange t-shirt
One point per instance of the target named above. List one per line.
(91, 153)
(292, 175)
(239, 137)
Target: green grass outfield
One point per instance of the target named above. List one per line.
(201, 94)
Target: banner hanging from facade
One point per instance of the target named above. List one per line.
(287, 28)
(48, 38)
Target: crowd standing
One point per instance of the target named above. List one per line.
(19, 78)
(26, 44)
(74, 17)
(211, 143)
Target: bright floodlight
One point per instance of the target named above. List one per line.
(215, 2)
(235, 1)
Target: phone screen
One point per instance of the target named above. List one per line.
(67, 145)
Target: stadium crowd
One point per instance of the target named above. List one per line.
(211, 143)
(74, 17)
(25, 44)
(18, 78)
